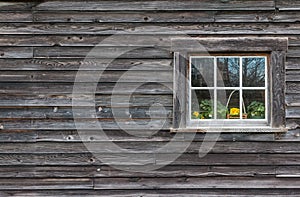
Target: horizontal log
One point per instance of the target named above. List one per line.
(292, 100)
(157, 5)
(125, 17)
(293, 112)
(292, 64)
(138, 161)
(292, 87)
(288, 5)
(157, 192)
(92, 124)
(15, 16)
(45, 184)
(155, 112)
(16, 6)
(137, 28)
(107, 171)
(124, 136)
(101, 52)
(293, 75)
(293, 52)
(194, 183)
(288, 171)
(102, 88)
(148, 147)
(16, 52)
(88, 64)
(65, 100)
(87, 76)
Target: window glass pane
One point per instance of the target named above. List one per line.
(254, 72)
(255, 103)
(202, 104)
(202, 70)
(228, 72)
(228, 102)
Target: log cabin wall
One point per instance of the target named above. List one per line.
(43, 44)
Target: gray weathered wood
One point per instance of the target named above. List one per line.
(278, 89)
(102, 88)
(157, 5)
(102, 17)
(86, 76)
(16, 52)
(88, 64)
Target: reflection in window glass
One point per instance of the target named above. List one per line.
(237, 90)
(202, 104)
(254, 72)
(255, 103)
(228, 72)
(202, 71)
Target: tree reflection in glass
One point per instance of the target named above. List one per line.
(202, 70)
(253, 72)
(228, 72)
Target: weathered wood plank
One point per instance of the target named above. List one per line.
(293, 112)
(292, 100)
(92, 124)
(149, 147)
(292, 64)
(136, 160)
(107, 171)
(15, 16)
(102, 88)
(184, 183)
(75, 64)
(101, 113)
(157, 5)
(288, 5)
(16, 52)
(86, 76)
(293, 52)
(65, 100)
(293, 75)
(157, 192)
(244, 16)
(45, 184)
(293, 87)
(16, 6)
(103, 17)
(123, 136)
(137, 28)
(103, 52)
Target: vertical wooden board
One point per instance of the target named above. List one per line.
(278, 89)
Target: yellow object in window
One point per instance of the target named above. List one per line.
(234, 111)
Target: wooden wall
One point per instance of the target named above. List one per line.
(43, 44)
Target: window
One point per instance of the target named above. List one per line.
(230, 89)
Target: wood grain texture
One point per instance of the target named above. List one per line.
(137, 28)
(158, 5)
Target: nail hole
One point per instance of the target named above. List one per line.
(146, 18)
(2, 54)
(69, 137)
(69, 37)
(80, 37)
(92, 160)
(69, 19)
(92, 138)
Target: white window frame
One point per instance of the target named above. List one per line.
(214, 122)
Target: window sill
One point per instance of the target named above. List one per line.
(231, 130)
